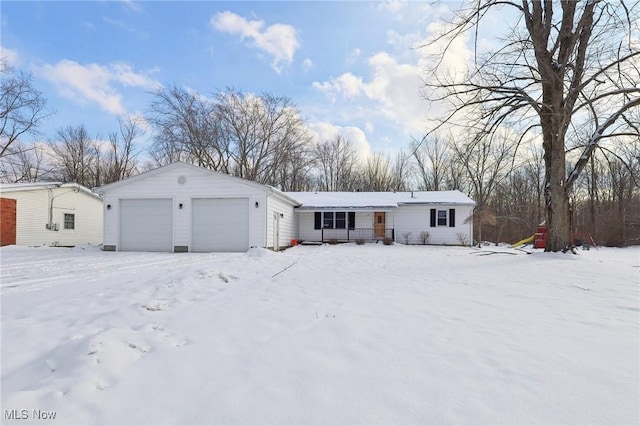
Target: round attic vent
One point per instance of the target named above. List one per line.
(182, 179)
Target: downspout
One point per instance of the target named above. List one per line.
(266, 219)
(53, 197)
(471, 228)
(48, 226)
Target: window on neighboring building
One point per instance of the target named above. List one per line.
(69, 221)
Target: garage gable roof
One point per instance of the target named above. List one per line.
(182, 165)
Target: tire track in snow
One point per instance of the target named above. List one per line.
(24, 279)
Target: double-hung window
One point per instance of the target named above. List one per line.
(69, 221)
(327, 220)
(442, 218)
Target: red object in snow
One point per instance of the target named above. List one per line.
(540, 237)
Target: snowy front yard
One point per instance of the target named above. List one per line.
(346, 335)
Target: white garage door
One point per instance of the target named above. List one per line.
(220, 224)
(146, 225)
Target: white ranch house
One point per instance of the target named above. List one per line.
(401, 216)
(52, 214)
(185, 208)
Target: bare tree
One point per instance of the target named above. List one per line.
(260, 138)
(259, 132)
(487, 161)
(22, 107)
(400, 172)
(186, 129)
(75, 156)
(120, 159)
(337, 161)
(25, 163)
(564, 64)
(377, 174)
(432, 158)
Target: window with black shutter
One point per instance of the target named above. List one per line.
(432, 222)
(352, 220)
(452, 218)
(317, 220)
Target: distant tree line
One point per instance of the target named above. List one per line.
(264, 138)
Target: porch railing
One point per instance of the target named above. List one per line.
(345, 235)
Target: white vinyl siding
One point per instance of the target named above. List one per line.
(415, 219)
(287, 221)
(32, 216)
(146, 225)
(220, 224)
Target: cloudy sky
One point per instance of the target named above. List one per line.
(351, 67)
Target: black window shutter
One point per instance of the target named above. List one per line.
(317, 222)
(433, 218)
(452, 218)
(352, 220)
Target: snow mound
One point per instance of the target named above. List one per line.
(259, 252)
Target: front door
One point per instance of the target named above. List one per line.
(379, 224)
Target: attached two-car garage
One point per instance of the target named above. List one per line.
(184, 208)
(218, 224)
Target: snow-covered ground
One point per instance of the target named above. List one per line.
(347, 334)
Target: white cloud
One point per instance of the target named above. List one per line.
(11, 56)
(94, 82)
(347, 86)
(354, 56)
(457, 57)
(277, 40)
(307, 64)
(324, 131)
(393, 6)
(132, 5)
(395, 86)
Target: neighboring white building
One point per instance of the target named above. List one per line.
(184, 208)
(402, 216)
(54, 214)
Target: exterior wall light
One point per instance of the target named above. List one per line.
(108, 206)
(180, 206)
(257, 204)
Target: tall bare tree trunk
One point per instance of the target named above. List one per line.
(557, 210)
